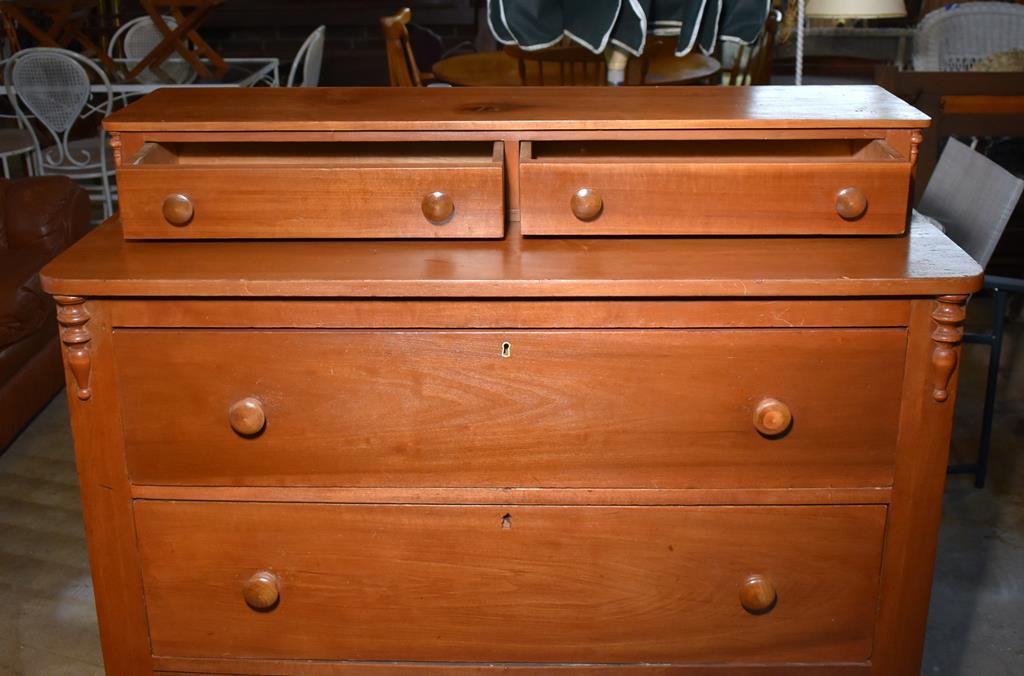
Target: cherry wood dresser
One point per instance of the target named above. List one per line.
(530, 381)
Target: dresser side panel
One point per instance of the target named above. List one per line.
(916, 508)
(103, 481)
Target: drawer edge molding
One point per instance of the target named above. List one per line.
(519, 496)
(462, 313)
(186, 666)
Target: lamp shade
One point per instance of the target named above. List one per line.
(854, 9)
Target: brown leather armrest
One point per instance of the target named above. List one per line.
(45, 214)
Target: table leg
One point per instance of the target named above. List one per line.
(65, 28)
(175, 40)
(202, 47)
(16, 16)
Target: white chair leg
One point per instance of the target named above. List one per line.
(7, 169)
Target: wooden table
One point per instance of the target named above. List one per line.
(67, 18)
(176, 39)
(498, 69)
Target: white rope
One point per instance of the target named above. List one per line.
(799, 79)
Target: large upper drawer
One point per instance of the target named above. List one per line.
(554, 408)
(713, 187)
(327, 189)
(511, 583)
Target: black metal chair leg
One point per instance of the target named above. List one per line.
(991, 386)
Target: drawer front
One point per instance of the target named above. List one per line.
(511, 583)
(723, 196)
(628, 408)
(322, 196)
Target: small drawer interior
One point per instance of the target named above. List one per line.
(730, 151)
(329, 153)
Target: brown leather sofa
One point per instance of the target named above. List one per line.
(39, 218)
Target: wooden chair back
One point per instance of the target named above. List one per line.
(563, 66)
(753, 63)
(402, 69)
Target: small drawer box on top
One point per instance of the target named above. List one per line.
(308, 189)
(826, 186)
(650, 166)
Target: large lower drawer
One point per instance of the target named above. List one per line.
(329, 190)
(511, 583)
(571, 408)
(825, 187)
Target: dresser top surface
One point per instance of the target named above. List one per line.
(925, 262)
(516, 108)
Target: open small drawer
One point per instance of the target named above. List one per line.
(313, 189)
(713, 187)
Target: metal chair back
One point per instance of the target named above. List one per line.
(973, 198)
(54, 86)
(136, 39)
(310, 58)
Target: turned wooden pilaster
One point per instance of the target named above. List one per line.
(949, 317)
(115, 145)
(73, 317)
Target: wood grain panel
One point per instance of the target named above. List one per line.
(521, 496)
(922, 263)
(292, 197)
(511, 584)
(916, 511)
(191, 666)
(106, 498)
(713, 198)
(522, 314)
(623, 409)
(516, 108)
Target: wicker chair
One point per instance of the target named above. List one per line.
(958, 37)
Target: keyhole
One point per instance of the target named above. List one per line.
(506, 349)
(506, 521)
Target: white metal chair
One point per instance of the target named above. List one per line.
(956, 37)
(973, 198)
(13, 142)
(310, 58)
(54, 87)
(134, 41)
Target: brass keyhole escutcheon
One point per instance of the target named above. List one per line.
(506, 349)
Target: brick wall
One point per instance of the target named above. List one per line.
(354, 49)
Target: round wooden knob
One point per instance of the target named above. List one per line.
(178, 209)
(851, 203)
(261, 591)
(438, 207)
(586, 204)
(772, 417)
(247, 417)
(757, 595)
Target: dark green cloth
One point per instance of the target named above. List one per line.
(536, 24)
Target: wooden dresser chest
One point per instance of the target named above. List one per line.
(590, 381)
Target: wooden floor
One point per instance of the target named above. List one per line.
(48, 620)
